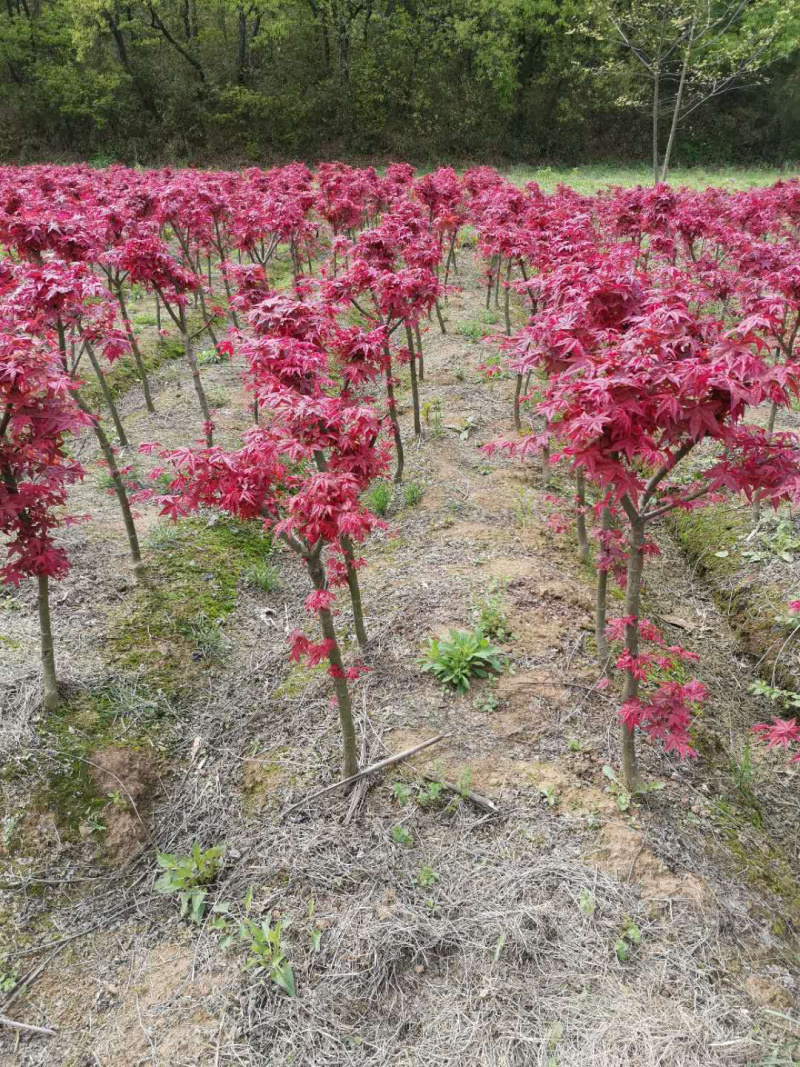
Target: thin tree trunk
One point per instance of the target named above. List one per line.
(158, 314)
(517, 394)
(769, 431)
(398, 439)
(656, 87)
(420, 354)
(355, 590)
(497, 282)
(350, 752)
(583, 540)
(414, 386)
(111, 462)
(633, 593)
(109, 399)
(352, 572)
(49, 681)
(602, 597)
(507, 301)
(442, 326)
(119, 487)
(677, 108)
(191, 359)
(137, 355)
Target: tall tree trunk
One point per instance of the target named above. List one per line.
(580, 517)
(420, 354)
(633, 595)
(656, 87)
(111, 463)
(601, 601)
(109, 399)
(677, 108)
(191, 359)
(49, 681)
(350, 752)
(137, 355)
(414, 386)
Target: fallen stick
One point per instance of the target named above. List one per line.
(25, 1026)
(478, 799)
(362, 774)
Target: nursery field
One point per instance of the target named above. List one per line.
(486, 488)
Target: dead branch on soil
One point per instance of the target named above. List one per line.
(379, 766)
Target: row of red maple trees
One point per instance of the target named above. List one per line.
(655, 321)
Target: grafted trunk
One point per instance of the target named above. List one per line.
(137, 355)
(601, 602)
(633, 594)
(414, 386)
(191, 359)
(580, 516)
(350, 751)
(109, 399)
(49, 680)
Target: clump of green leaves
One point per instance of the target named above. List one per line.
(267, 956)
(490, 614)
(427, 877)
(466, 655)
(625, 796)
(379, 498)
(401, 836)
(786, 697)
(187, 876)
(209, 356)
(628, 939)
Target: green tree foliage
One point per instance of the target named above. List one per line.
(235, 80)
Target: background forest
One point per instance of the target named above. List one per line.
(233, 81)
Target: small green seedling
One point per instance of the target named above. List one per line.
(265, 942)
(401, 836)
(549, 794)
(630, 937)
(624, 796)
(427, 877)
(586, 902)
(186, 877)
(466, 655)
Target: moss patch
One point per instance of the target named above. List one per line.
(193, 573)
(712, 538)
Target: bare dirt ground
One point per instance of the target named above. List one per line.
(461, 939)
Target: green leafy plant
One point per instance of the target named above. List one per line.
(427, 877)
(624, 796)
(487, 703)
(550, 795)
(10, 977)
(187, 876)
(379, 498)
(401, 836)
(628, 939)
(466, 655)
(210, 356)
(267, 956)
(490, 614)
(523, 508)
(786, 697)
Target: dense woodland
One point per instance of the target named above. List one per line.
(191, 81)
